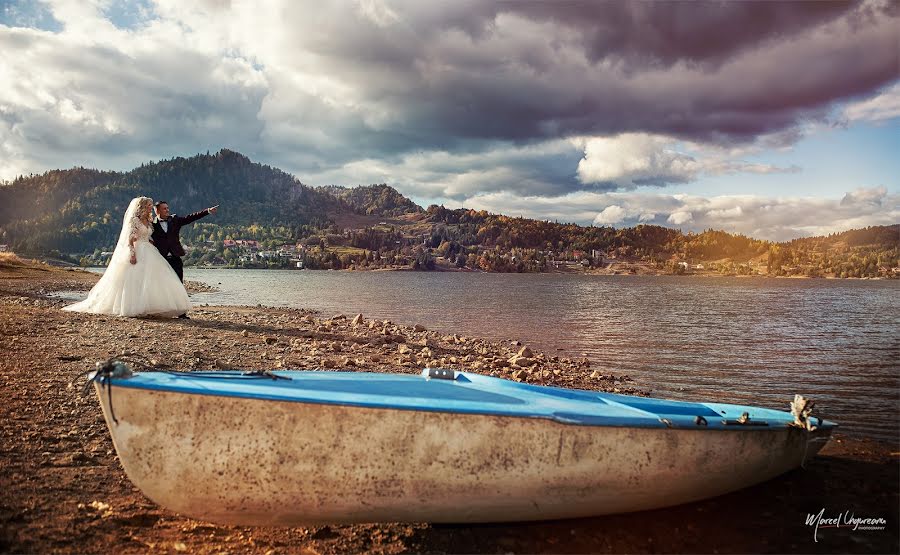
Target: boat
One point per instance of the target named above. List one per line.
(287, 448)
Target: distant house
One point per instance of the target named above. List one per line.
(4, 248)
(229, 243)
(246, 243)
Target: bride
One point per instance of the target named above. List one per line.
(138, 280)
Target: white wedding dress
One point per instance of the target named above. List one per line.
(149, 287)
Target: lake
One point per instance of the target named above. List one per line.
(753, 341)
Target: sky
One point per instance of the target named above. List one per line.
(771, 119)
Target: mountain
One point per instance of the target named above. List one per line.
(76, 210)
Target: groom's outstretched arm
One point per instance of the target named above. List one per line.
(190, 218)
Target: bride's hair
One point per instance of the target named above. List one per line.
(130, 223)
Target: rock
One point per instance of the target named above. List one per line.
(403, 349)
(518, 360)
(427, 342)
(520, 375)
(244, 333)
(347, 361)
(419, 328)
(271, 340)
(338, 317)
(357, 320)
(525, 352)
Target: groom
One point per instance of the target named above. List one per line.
(165, 236)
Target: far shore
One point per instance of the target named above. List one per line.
(586, 272)
(66, 492)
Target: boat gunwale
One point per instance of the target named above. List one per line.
(640, 418)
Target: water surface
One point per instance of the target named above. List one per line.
(751, 341)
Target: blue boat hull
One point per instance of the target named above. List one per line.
(331, 447)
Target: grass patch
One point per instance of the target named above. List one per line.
(347, 250)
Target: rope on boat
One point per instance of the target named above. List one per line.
(103, 372)
(801, 409)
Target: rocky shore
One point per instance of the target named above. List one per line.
(63, 489)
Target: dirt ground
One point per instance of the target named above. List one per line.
(62, 489)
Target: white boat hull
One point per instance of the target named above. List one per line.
(247, 461)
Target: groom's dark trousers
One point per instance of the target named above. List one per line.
(168, 242)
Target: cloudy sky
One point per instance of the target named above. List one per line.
(773, 119)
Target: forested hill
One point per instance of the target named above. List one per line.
(36, 196)
(79, 211)
(76, 210)
(379, 200)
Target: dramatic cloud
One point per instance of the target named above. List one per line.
(445, 100)
(634, 159)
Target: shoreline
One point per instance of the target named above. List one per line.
(65, 491)
(641, 271)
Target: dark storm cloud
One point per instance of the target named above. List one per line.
(452, 97)
(662, 33)
(530, 71)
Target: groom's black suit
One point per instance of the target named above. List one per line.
(168, 242)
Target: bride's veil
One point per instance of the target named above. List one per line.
(129, 224)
